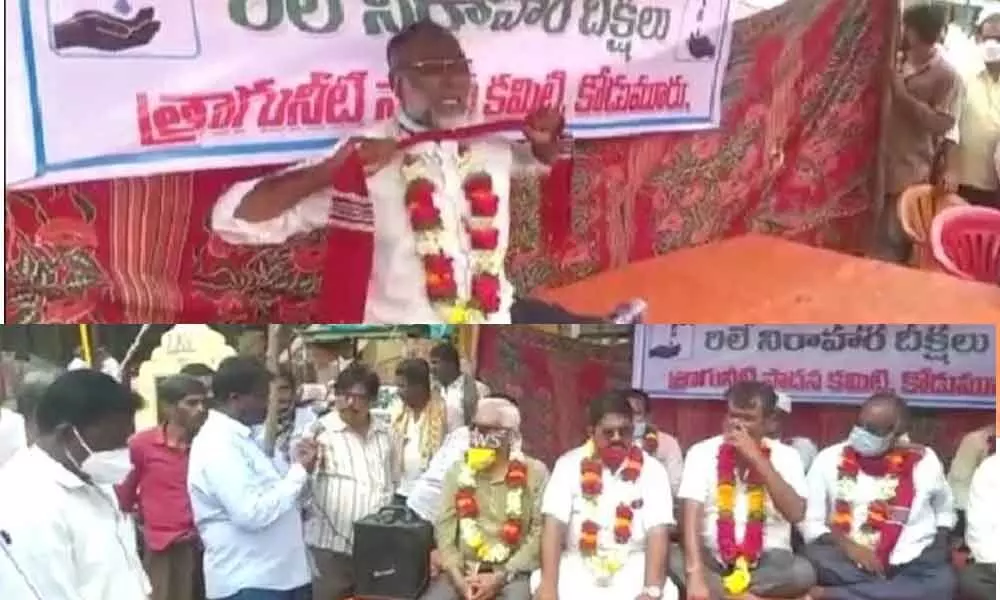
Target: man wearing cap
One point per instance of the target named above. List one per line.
(804, 446)
(972, 144)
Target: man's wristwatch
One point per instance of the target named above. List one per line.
(654, 592)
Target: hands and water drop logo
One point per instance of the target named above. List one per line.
(112, 31)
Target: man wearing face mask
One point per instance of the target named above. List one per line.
(742, 495)
(879, 514)
(382, 254)
(247, 513)
(60, 519)
(607, 510)
(489, 527)
(973, 143)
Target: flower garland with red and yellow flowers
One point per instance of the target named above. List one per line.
(437, 245)
(604, 563)
(889, 510)
(467, 508)
(739, 558)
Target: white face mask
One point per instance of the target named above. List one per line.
(109, 467)
(990, 50)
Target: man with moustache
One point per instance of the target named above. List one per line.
(365, 191)
(880, 513)
(354, 478)
(247, 514)
(156, 491)
(607, 509)
(420, 427)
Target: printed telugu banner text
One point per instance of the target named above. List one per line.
(945, 366)
(218, 84)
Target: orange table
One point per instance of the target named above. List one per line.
(762, 279)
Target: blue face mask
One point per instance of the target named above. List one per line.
(867, 443)
(638, 429)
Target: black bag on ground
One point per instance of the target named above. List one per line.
(392, 555)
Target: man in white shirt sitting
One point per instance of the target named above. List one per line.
(879, 513)
(59, 516)
(353, 480)
(382, 247)
(978, 581)
(607, 510)
(247, 514)
(459, 390)
(742, 494)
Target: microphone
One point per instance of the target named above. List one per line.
(5, 537)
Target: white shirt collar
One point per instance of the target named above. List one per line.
(47, 466)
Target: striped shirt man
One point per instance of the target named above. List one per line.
(354, 478)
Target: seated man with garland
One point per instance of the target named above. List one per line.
(607, 511)
(742, 494)
(489, 525)
(880, 513)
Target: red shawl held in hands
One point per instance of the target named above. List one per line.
(351, 244)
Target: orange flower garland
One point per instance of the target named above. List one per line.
(467, 509)
(725, 493)
(591, 487)
(896, 493)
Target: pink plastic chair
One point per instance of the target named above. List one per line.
(966, 242)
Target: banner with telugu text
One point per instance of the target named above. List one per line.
(943, 366)
(134, 87)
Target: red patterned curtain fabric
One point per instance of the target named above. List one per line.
(795, 156)
(554, 378)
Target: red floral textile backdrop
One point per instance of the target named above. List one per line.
(554, 378)
(795, 156)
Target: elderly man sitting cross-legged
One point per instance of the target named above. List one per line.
(489, 527)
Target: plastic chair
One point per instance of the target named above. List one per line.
(966, 242)
(918, 206)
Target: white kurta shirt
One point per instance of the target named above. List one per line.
(396, 293)
(67, 537)
(247, 514)
(700, 481)
(564, 501)
(933, 505)
(412, 459)
(982, 531)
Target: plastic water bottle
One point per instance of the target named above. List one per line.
(630, 313)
